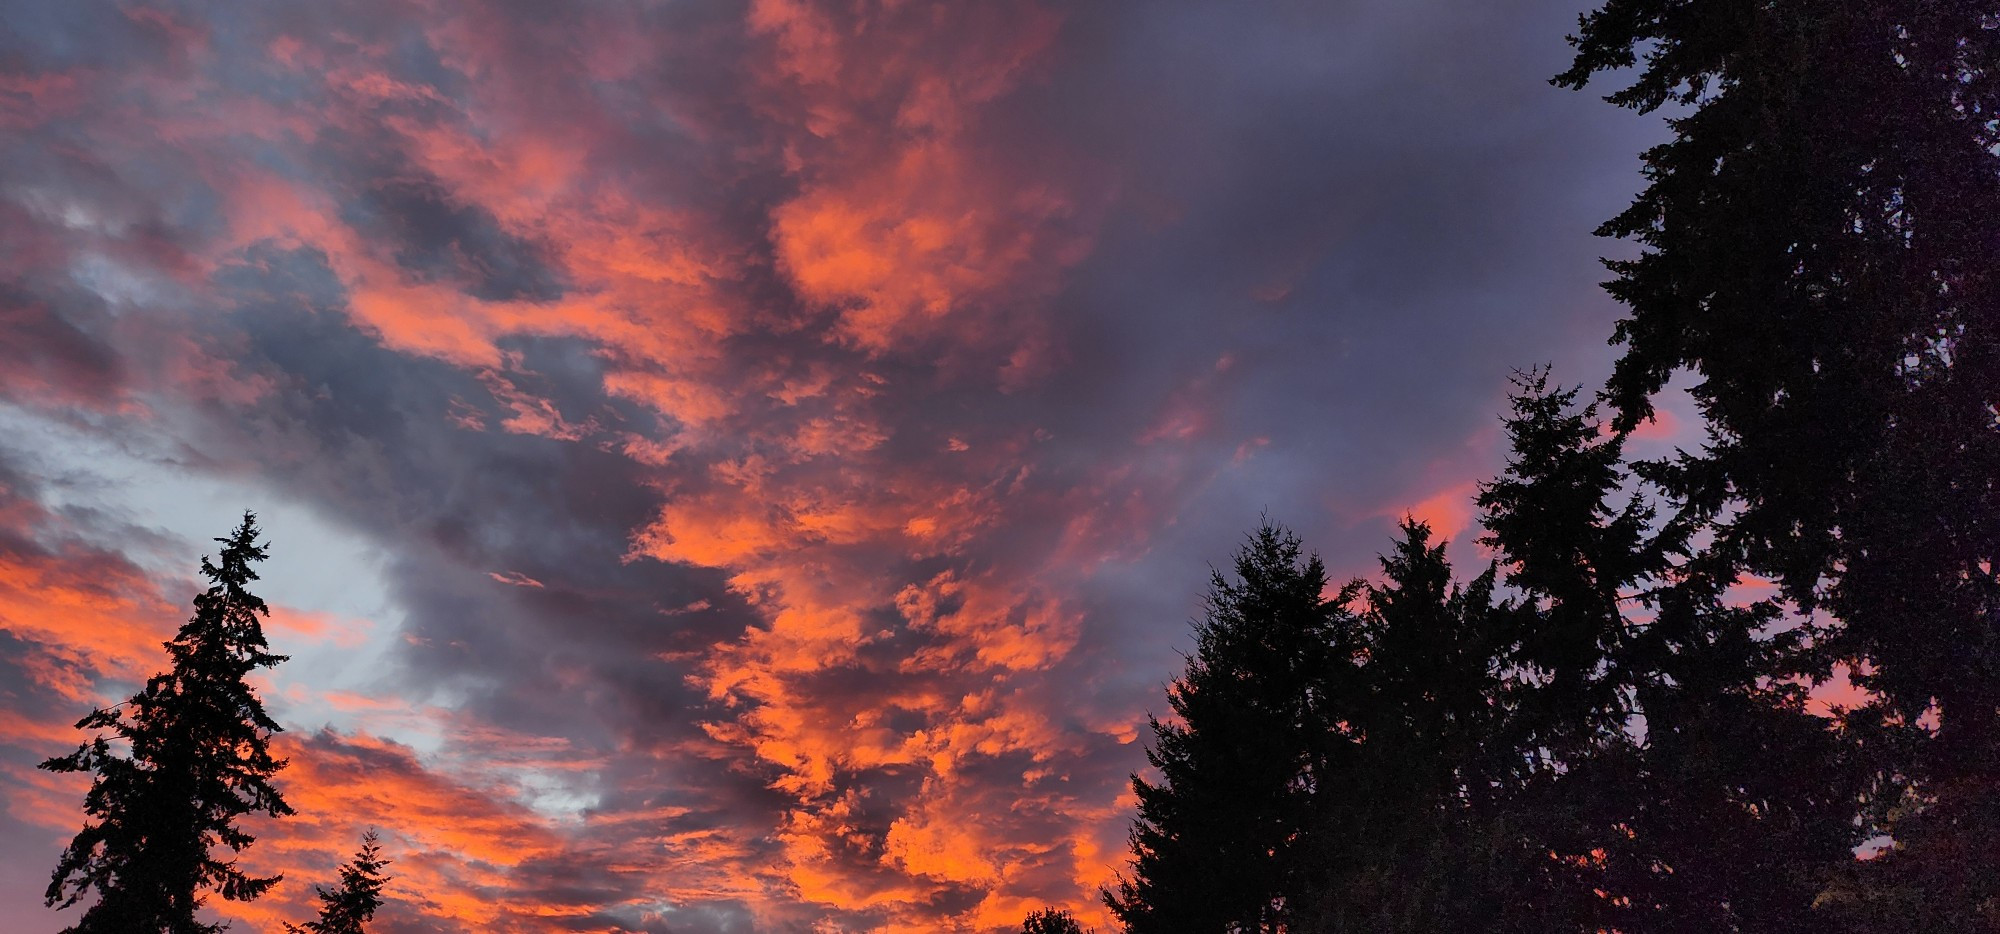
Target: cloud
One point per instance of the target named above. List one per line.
(849, 396)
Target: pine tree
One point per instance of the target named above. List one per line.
(1574, 557)
(1409, 829)
(348, 907)
(1575, 554)
(186, 757)
(1214, 843)
(1818, 250)
(1051, 921)
(1689, 784)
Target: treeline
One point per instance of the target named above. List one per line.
(1601, 730)
(1605, 729)
(1588, 735)
(175, 767)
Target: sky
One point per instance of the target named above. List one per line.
(742, 466)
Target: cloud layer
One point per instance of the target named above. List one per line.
(741, 466)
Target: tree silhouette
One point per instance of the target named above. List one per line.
(347, 907)
(1051, 921)
(1410, 831)
(1574, 554)
(192, 756)
(1573, 557)
(1214, 843)
(1818, 250)
(1677, 770)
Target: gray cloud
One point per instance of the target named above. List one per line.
(1298, 248)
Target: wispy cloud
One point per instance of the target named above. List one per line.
(849, 395)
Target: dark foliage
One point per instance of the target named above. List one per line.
(1214, 843)
(1619, 745)
(1679, 780)
(184, 758)
(1409, 830)
(1051, 921)
(1820, 238)
(348, 907)
(1339, 764)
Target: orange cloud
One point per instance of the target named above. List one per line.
(88, 615)
(1447, 512)
(891, 663)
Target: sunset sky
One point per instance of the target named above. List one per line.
(742, 466)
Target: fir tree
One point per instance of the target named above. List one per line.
(1214, 843)
(1575, 558)
(186, 757)
(1051, 921)
(1410, 830)
(1574, 554)
(1818, 250)
(349, 906)
(1689, 784)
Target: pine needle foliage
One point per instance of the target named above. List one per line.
(175, 767)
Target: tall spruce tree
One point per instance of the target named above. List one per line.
(1574, 557)
(184, 759)
(1409, 829)
(1575, 554)
(1689, 784)
(348, 907)
(1819, 239)
(1215, 843)
(1051, 921)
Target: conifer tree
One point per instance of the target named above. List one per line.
(1574, 557)
(1409, 830)
(1818, 250)
(184, 758)
(1214, 845)
(349, 906)
(1574, 553)
(1689, 784)
(1051, 921)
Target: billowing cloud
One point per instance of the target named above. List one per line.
(741, 466)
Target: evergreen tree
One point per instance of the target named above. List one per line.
(1214, 843)
(191, 755)
(1575, 555)
(349, 906)
(1819, 241)
(1051, 921)
(1688, 784)
(1575, 558)
(1746, 803)
(1409, 830)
